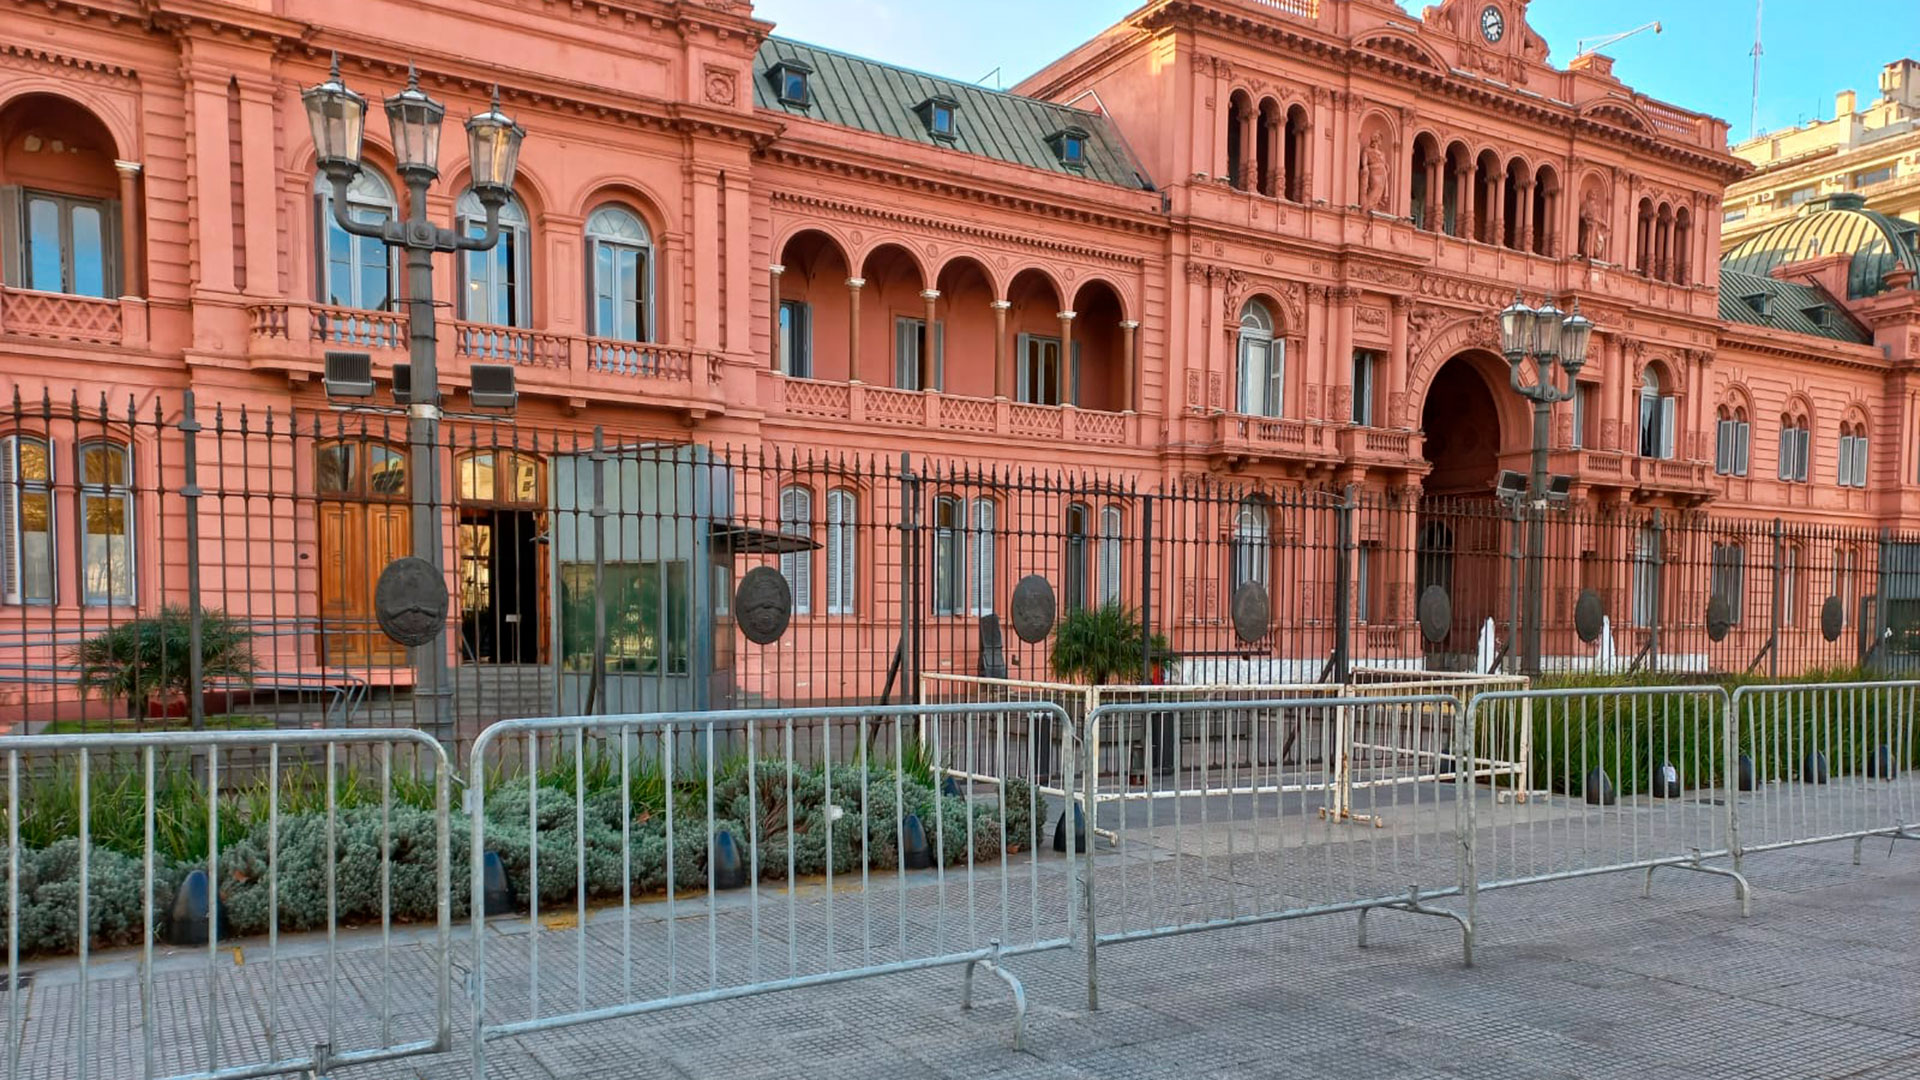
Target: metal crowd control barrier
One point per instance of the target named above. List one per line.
(306, 1009)
(1635, 779)
(1825, 762)
(773, 874)
(1222, 837)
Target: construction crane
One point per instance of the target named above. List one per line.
(1582, 47)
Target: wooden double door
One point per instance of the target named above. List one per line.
(361, 488)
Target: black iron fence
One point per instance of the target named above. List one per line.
(606, 570)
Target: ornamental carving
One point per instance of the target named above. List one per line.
(720, 86)
(1371, 317)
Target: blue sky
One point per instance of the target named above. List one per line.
(1701, 61)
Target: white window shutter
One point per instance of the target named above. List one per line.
(1860, 461)
(1073, 377)
(1745, 438)
(9, 519)
(939, 356)
(796, 519)
(980, 552)
(1276, 376)
(1667, 427)
(1022, 368)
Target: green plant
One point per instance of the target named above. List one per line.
(145, 658)
(1102, 645)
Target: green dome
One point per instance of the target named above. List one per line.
(1836, 224)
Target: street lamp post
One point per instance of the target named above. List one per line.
(338, 116)
(1551, 339)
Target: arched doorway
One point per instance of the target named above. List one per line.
(1462, 536)
(502, 555)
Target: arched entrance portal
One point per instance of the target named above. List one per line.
(1461, 542)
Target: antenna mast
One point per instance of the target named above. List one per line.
(1753, 118)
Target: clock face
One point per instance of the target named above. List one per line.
(1493, 26)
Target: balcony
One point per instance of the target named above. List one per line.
(932, 411)
(577, 368)
(1689, 481)
(1381, 448)
(1239, 438)
(65, 318)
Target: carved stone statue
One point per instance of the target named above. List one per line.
(1373, 175)
(1594, 231)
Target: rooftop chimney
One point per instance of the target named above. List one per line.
(1844, 104)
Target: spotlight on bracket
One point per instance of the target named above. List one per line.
(1510, 484)
(402, 383)
(493, 387)
(348, 375)
(1559, 488)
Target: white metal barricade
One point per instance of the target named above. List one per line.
(776, 869)
(243, 1003)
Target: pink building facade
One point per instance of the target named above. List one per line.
(1249, 242)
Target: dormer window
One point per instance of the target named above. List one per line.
(1819, 316)
(1070, 146)
(1759, 302)
(941, 115)
(791, 80)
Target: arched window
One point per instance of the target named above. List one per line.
(842, 520)
(1108, 591)
(1293, 160)
(1789, 585)
(1262, 363)
(949, 553)
(1252, 542)
(502, 478)
(620, 259)
(496, 285)
(1796, 448)
(355, 271)
(1078, 530)
(1240, 138)
(1643, 237)
(106, 523)
(981, 540)
(1657, 417)
(1852, 456)
(1731, 437)
(796, 519)
(26, 520)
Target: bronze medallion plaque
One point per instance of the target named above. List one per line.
(1252, 613)
(1719, 619)
(763, 605)
(410, 601)
(1033, 608)
(1833, 618)
(1589, 613)
(1436, 614)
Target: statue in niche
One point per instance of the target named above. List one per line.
(1373, 175)
(1594, 231)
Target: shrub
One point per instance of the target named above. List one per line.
(1102, 645)
(50, 897)
(145, 658)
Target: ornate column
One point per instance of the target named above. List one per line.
(1249, 150)
(1523, 207)
(1276, 153)
(1463, 183)
(1066, 355)
(1436, 198)
(1129, 378)
(1000, 371)
(1340, 355)
(132, 258)
(1398, 362)
(854, 285)
(929, 341)
(775, 361)
(1497, 208)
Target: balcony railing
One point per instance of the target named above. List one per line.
(61, 317)
(941, 412)
(297, 335)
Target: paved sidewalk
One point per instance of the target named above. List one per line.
(1577, 979)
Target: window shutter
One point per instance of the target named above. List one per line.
(1743, 435)
(1667, 426)
(796, 512)
(906, 359)
(834, 553)
(1022, 369)
(114, 274)
(980, 557)
(1073, 377)
(1276, 376)
(9, 520)
(1860, 461)
(12, 258)
(939, 356)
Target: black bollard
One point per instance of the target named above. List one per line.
(1079, 831)
(496, 895)
(729, 870)
(1814, 769)
(1599, 788)
(191, 906)
(1749, 779)
(951, 787)
(917, 855)
(1880, 763)
(1666, 781)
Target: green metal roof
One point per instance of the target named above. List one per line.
(1834, 225)
(1792, 306)
(858, 93)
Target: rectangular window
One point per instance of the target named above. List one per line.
(1732, 216)
(796, 519)
(1730, 447)
(1795, 454)
(1803, 195)
(1076, 558)
(26, 520)
(1646, 577)
(648, 606)
(106, 525)
(70, 244)
(981, 540)
(1729, 576)
(1363, 583)
(949, 554)
(1109, 587)
(909, 349)
(1789, 586)
(1656, 426)
(1263, 363)
(1582, 413)
(1873, 176)
(1843, 583)
(1038, 375)
(1363, 369)
(842, 519)
(796, 338)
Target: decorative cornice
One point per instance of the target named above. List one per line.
(951, 227)
(25, 57)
